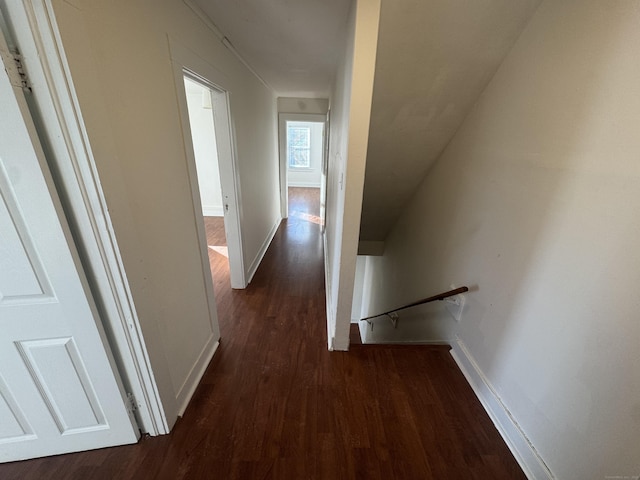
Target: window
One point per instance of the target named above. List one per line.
(299, 147)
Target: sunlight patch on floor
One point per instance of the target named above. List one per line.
(305, 216)
(224, 251)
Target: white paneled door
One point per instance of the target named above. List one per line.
(58, 389)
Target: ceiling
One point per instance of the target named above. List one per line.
(294, 45)
(435, 57)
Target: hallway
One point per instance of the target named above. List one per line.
(275, 404)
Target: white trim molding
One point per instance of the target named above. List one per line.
(60, 124)
(331, 319)
(305, 184)
(283, 118)
(202, 15)
(212, 211)
(253, 268)
(192, 381)
(187, 63)
(523, 450)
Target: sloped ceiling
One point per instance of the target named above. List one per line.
(435, 57)
(294, 45)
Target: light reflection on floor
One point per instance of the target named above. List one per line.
(305, 216)
(224, 251)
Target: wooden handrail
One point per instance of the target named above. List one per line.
(440, 296)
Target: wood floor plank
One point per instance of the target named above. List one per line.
(275, 404)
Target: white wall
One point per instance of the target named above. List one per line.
(349, 124)
(121, 64)
(204, 148)
(358, 288)
(308, 177)
(534, 204)
(303, 105)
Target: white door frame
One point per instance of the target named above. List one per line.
(283, 118)
(58, 118)
(58, 380)
(187, 64)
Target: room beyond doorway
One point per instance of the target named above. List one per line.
(203, 136)
(304, 203)
(212, 168)
(302, 156)
(218, 259)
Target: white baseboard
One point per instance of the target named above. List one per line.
(263, 250)
(212, 211)
(525, 453)
(362, 328)
(197, 371)
(327, 295)
(304, 184)
(438, 343)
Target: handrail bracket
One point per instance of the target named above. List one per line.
(393, 316)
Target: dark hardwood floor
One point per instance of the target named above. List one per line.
(275, 404)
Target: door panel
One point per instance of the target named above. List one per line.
(14, 426)
(23, 279)
(59, 391)
(58, 372)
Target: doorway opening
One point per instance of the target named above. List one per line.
(203, 137)
(213, 179)
(303, 165)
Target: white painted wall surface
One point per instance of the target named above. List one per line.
(121, 66)
(542, 192)
(350, 114)
(204, 148)
(435, 58)
(358, 286)
(303, 105)
(309, 177)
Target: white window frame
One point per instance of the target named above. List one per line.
(305, 148)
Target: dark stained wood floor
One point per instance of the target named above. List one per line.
(275, 404)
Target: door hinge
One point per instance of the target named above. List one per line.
(15, 70)
(131, 403)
